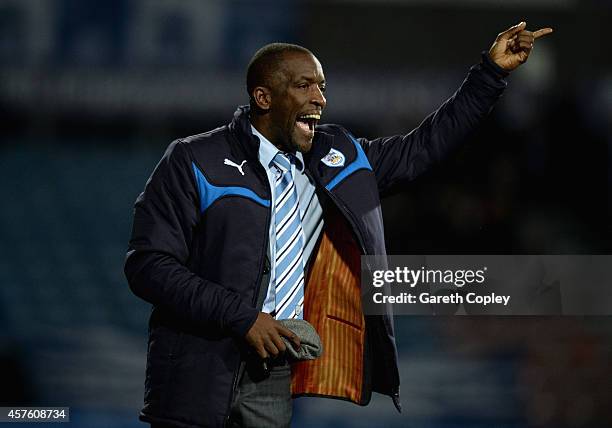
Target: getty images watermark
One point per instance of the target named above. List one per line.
(488, 285)
(413, 277)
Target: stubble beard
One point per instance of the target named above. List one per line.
(300, 145)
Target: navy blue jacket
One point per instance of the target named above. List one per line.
(198, 251)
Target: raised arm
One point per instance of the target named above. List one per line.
(404, 157)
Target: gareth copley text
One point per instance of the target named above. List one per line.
(455, 298)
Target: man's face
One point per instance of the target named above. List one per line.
(297, 101)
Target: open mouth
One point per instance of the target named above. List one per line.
(307, 123)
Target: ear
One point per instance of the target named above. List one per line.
(262, 97)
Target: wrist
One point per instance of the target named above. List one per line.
(489, 64)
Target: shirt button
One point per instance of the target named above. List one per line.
(298, 309)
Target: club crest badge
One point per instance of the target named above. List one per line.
(334, 158)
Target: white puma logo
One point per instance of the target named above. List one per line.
(230, 163)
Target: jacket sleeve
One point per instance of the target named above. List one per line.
(404, 157)
(165, 216)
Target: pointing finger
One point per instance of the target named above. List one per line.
(542, 32)
(505, 35)
(525, 37)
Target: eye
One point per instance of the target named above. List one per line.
(322, 87)
(303, 86)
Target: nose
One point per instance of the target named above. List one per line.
(318, 98)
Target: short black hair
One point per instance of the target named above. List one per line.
(266, 62)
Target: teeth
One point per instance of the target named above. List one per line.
(311, 116)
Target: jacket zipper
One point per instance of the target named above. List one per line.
(266, 238)
(255, 296)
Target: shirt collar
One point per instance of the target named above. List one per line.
(267, 151)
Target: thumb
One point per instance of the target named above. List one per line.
(505, 35)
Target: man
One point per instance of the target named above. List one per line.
(265, 219)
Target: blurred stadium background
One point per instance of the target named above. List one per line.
(92, 91)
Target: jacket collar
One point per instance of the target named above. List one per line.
(241, 128)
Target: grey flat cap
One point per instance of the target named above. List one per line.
(311, 346)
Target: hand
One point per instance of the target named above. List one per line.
(265, 336)
(513, 46)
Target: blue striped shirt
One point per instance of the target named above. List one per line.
(310, 209)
